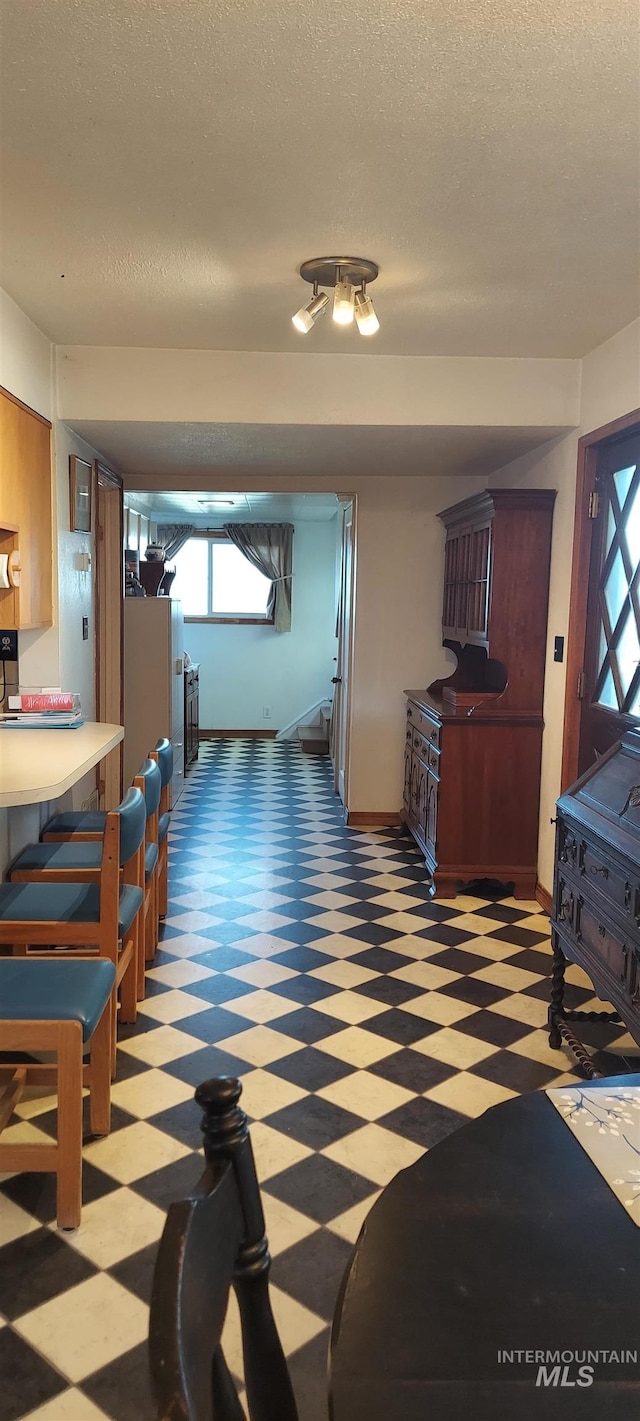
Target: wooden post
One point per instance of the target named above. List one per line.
(226, 1137)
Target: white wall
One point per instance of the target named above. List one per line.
(245, 668)
(254, 387)
(610, 388)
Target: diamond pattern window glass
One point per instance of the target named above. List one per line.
(618, 675)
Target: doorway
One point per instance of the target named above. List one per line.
(603, 663)
(109, 624)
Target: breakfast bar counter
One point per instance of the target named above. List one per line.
(38, 765)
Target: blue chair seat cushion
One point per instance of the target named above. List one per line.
(65, 903)
(150, 860)
(163, 826)
(55, 991)
(65, 854)
(77, 821)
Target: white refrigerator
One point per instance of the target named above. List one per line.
(153, 682)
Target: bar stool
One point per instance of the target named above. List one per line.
(79, 860)
(149, 781)
(57, 1007)
(66, 911)
(163, 754)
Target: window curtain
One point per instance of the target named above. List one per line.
(173, 536)
(268, 546)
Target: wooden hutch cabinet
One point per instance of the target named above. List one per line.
(474, 741)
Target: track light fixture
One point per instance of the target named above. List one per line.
(348, 276)
(307, 316)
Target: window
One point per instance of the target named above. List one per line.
(215, 582)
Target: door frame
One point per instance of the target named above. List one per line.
(588, 448)
(109, 610)
(344, 700)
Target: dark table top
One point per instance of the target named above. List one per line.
(504, 1237)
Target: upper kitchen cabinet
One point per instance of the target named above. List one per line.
(25, 516)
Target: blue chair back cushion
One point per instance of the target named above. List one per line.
(76, 821)
(62, 854)
(164, 751)
(150, 860)
(133, 823)
(55, 991)
(150, 773)
(65, 903)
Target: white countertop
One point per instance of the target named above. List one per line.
(37, 765)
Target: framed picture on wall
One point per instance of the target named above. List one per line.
(80, 482)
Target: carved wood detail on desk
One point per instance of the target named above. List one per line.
(596, 919)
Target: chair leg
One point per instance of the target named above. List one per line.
(129, 988)
(139, 955)
(69, 1172)
(100, 1076)
(149, 944)
(164, 880)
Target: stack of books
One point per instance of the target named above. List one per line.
(43, 710)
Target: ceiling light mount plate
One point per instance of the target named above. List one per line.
(326, 271)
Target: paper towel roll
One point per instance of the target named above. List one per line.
(4, 570)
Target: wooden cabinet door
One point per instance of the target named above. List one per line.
(421, 791)
(25, 506)
(407, 790)
(433, 786)
(478, 582)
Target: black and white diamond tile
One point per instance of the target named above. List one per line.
(366, 1021)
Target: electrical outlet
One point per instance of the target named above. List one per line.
(266, 712)
(8, 646)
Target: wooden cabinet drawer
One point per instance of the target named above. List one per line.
(427, 727)
(606, 878)
(607, 944)
(426, 751)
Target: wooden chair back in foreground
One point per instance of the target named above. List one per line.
(214, 1240)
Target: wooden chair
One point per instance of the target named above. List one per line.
(149, 781)
(57, 1007)
(163, 755)
(213, 1240)
(84, 917)
(79, 859)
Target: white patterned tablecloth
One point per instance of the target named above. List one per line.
(607, 1125)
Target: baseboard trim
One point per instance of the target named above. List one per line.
(544, 898)
(373, 819)
(205, 734)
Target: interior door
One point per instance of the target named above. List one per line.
(109, 587)
(609, 686)
(341, 701)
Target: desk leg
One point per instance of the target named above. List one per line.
(557, 993)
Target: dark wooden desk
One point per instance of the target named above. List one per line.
(503, 1237)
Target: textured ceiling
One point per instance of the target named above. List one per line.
(304, 451)
(245, 507)
(166, 166)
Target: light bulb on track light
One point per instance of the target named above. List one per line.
(343, 303)
(366, 319)
(307, 316)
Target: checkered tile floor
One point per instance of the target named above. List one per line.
(366, 1022)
